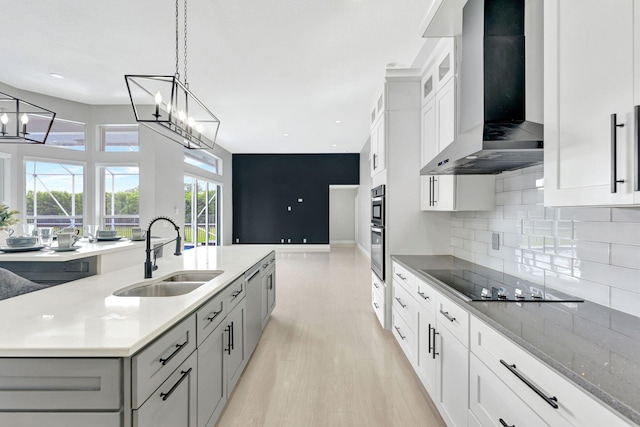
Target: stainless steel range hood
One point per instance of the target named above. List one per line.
(494, 133)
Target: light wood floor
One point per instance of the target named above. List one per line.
(323, 359)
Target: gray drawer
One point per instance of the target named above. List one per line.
(60, 384)
(211, 315)
(235, 293)
(153, 365)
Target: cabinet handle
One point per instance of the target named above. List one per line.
(400, 333)
(228, 330)
(233, 338)
(376, 285)
(448, 316)
(253, 274)
(236, 293)
(614, 152)
(400, 302)
(636, 157)
(270, 283)
(185, 374)
(423, 295)
(215, 314)
(504, 424)
(401, 276)
(435, 202)
(429, 337)
(172, 355)
(375, 304)
(431, 199)
(434, 341)
(265, 265)
(550, 400)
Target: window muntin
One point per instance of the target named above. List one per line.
(120, 199)
(54, 194)
(119, 138)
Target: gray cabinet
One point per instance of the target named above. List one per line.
(268, 287)
(254, 303)
(174, 403)
(212, 379)
(235, 346)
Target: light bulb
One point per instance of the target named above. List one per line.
(4, 119)
(199, 128)
(191, 122)
(168, 108)
(158, 98)
(182, 116)
(24, 119)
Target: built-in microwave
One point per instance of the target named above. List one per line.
(377, 206)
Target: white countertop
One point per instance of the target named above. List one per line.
(83, 319)
(84, 250)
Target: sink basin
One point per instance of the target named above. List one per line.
(180, 283)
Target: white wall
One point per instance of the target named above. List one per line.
(364, 200)
(342, 214)
(161, 176)
(593, 253)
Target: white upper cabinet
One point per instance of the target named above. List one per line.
(378, 135)
(589, 58)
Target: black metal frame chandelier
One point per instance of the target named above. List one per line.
(22, 122)
(165, 104)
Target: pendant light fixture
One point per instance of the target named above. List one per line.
(165, 104)
(22, 122)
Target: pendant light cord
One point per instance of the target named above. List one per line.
(185, 45)
(177, 43)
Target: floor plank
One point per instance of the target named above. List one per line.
(323, 359)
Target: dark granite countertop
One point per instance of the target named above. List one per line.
(595, 347)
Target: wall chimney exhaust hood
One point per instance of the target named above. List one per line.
(495, 135)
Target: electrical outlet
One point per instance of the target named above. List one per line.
(289, 208)
(495, 241)
(300, 200)
(237, 240)
(304, 240)
(288, 240)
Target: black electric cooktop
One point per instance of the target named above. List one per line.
(484, 284)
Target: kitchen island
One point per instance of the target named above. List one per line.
(110, 356)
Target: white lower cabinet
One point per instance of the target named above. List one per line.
(452, 378)
(378, 302)
(492, 403)
(174, 404)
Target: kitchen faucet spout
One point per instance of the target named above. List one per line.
(148, 266)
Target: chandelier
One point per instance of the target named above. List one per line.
(22, 122)
(165, 104)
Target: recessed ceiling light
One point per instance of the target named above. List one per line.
(56, 76)
(334, 145)
(338, 121)
(285, 134)
(471, 157)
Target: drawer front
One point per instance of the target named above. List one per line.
(61, 419)
(210, 316)
(377, 302)
(404, 277)
(235, 293)
(519, 368)
(454, 318)
(492, 402)
(60, 384)
(152, 365)
(406, 306)
(405, 337)
(425, 295)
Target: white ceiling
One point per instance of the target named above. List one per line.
(263, 67)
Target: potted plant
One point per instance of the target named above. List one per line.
(7, 216)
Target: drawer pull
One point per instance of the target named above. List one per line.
(185, 374)
(172, 355)
(432, 341)
(423, 295)
(448, 316)
(376, 285)
(252, 276)
(550, 400)
(228, 330)
(504, 424)
(400, 333)
(400, 302)
(375, 304)
(401, 276)
(215, 314)
(236, 293)
(265, 265)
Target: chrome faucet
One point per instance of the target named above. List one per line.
(148, 266)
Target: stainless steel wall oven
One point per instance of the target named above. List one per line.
(378, 231)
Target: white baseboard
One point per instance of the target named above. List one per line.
(342, 242)
(364, 251)
(302, 248)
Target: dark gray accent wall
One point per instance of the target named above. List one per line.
(266, 185)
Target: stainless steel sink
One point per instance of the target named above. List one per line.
(177, 284)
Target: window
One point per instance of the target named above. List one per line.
(121, 203)
(201, 212)
(67, 134)
(202, 159)
(54, 194)
(119, 138)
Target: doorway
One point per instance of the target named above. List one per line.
(343, 208)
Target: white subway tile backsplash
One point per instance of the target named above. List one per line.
(591, 252)
(626, 256)
(625, 214)
(626, 301)
(610, 232)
